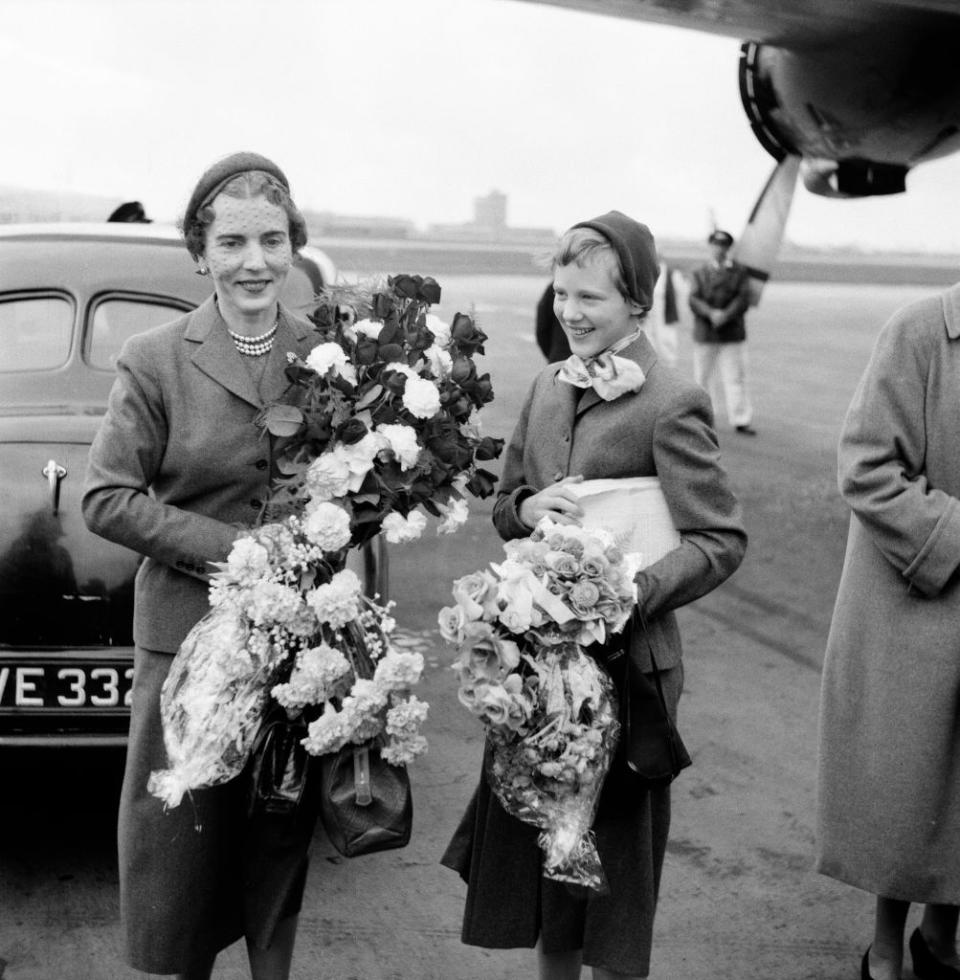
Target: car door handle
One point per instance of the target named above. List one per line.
(54, 473)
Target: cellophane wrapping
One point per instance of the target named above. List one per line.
(212, 703)
(550, 773)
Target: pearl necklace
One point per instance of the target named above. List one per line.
(254, 346)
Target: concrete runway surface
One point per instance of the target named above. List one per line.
(739, 900)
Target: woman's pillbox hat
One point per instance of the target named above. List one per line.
(221, 173)
(720, 237)
(636, 249)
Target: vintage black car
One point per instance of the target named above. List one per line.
(70, 295)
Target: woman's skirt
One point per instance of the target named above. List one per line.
(198, 877)
(509, 902)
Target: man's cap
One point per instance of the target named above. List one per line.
(720, 237)
(633, 242)
(130, 211)
(222, 172)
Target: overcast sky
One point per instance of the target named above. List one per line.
(411, 108)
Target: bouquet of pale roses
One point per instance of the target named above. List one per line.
(379, 424)
(548, 707)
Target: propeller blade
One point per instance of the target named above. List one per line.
(760, 242)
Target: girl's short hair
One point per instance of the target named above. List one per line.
(581, 246)
(248, 184)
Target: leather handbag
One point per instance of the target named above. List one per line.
(365, 802)
(649, 740)
(279, 765)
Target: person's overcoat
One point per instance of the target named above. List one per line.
(664, 430)
(889, 774)
(178, 466)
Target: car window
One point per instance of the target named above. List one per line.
(117, 318)
(35, 332)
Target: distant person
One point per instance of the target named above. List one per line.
(719, 298)
(130, 211)
(889, 767)
(659, 323)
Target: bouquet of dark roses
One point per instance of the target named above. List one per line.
(382, 417)
(379, 424)
(548, 707)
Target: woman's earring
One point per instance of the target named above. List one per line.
(201, 270)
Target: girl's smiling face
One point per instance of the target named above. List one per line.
(249, 254)
(591, 309)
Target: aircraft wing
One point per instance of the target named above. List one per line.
(791, 23)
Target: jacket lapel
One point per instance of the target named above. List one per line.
(292, 336)
(219, 359)
(565, 397)
(216, 355)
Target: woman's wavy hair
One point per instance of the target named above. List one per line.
(249, 184)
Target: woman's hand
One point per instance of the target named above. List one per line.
(556, 502)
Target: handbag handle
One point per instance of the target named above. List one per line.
(361, 776)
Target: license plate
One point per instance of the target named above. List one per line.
(61, 686)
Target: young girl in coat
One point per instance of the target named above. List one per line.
(611, 410)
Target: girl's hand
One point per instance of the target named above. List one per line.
(556, 502)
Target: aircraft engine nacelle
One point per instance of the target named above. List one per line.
(861, 114)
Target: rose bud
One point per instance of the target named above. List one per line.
(463, 371)
(429, 291)
(489, 448)
(405, 285)
(351, 431)
(394, 381)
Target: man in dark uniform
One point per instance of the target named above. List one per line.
(719, 298)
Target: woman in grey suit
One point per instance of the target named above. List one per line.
(612, 410)
(177, 469)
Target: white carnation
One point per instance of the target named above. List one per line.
(397, 670)
(325, 357)
(455, 515)
(328, 526)
(420, 397)
(439, 328)
(369, 328)
(271, 603)
(441, 363)
(338, 601)
(248, 561)
(359, 457)
(403, 442)
(328, 476)
(398, 528)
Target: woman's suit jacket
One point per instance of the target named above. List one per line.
(665, 430)
(178, 465)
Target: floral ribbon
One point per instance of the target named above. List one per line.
(609, 376)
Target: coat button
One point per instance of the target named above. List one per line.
(256, 503)
(558, 475)
(262, 464)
